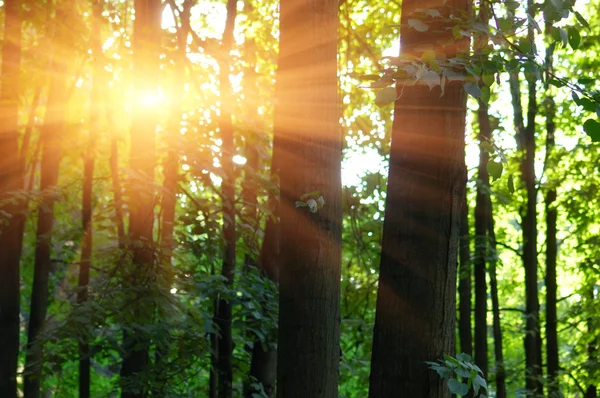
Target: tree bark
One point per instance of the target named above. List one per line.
(11, 180)
(51, 142)
(592, 348)
(141, 192)
(481, 240)
(263, 362)
(551, 248)
(464, 283)
(87, 205)
(224, 360)
(526, 143)
(307, 115)
(497, 330)
(416, 296)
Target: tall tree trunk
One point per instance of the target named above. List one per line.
(86, 207)
(551, 246)
(263, 363)
(500, 372)
(526, 143)
(224, 363)
(171, 182)
(481, 240)
(11, 180)
(51, 142)
(464, 283)
(141, 193)
(310, 270)
(416, 296)
(592, 348)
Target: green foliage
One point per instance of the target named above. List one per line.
(462, 375)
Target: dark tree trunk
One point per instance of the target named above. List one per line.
(141, 193)
(481, 240)
(592, 348)
(551, 249)
(526, 143)
(416, 296)
(464, 283)
(11, 180)
(497, 330)
(86, 207)
(171, 186)
(263, 364)
(307, 116)
(51, 142)
(224, 360)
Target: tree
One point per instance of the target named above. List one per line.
(224, 360)
(89, 159)
(307, 122)
(139, 277)
(464, 283)
(551, 246)
(11, 180)
(417, 279)
(51, 140)
(481, 239)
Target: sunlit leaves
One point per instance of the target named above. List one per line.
(592, 128)
(385, 96)
(495, 169)
(472, 89)
(417, 25)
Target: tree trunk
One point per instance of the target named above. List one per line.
(263, 363)
(551, 248)
(416, 296)
(86, 207)
(481, 240)
(464, 283)
(307, 115)
(526, 143)
(51, 142)
(141, 192)
(11, 180)
(500, 372)
(224, 360)
(592, 348)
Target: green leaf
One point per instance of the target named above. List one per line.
(564, 36)
(592, 128)
(511, 4)
(586, 80)
(598, 111)
(525, 46)
(417, 25)
(582, 20)
(473, 89)
(495, 169)
(480, 381)
(587, 104)
(428, 57)
(458, 388)
(574, 38)
(505, 24)
(511, 184)
(462, 356)
(485, 94)
(556, 83)
(385, 96)
(488, 79)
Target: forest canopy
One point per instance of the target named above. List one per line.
(299, 198)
